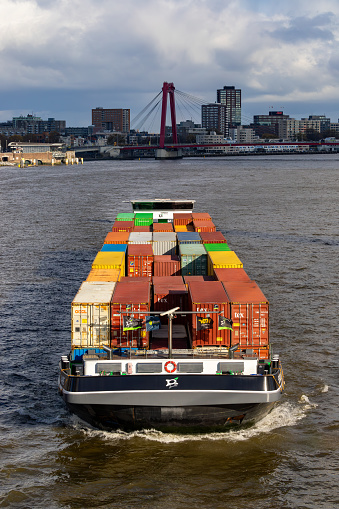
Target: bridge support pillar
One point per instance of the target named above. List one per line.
(162, 153)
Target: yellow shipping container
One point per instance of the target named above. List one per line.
(106, 275)
(110, 260)
(223, 260)
(180, 228)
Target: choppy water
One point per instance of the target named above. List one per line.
(280, 214)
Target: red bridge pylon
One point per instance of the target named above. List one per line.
(168, 89)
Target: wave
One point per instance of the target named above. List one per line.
(285, 414)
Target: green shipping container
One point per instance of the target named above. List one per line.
(141, 219)
(125, 216)
(217, 247)
(193, 260)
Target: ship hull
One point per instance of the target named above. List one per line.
(192, 402)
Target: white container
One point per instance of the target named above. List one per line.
(140, 238)
(91, 314)
(164, 243)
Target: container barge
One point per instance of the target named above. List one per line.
(168, 331)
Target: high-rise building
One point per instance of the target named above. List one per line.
(111, 120)
(231, 98)
(214, 117)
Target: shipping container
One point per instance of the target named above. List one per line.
(163, 280)
(187, 279)
(201, 225)
(201, 216)
(249, 310)
(193, 260)
(131, 301)
(231, 275)
(223, 260)
(188, 238)
(116, 238)
(125, 216)
(212, 237)
(123, 226)
(140, 238)
(121, 248)
(164, 243)
(217, 247)
(182, 219)
(142, 228)
(139, 260)
(143, 219)
(139, 279)
(166, 265)
(162, 227)
(110, 260)
(90, 312)
(205, 297)
(104, 275)
(168, 296)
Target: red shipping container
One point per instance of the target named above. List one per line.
(201, 216)
(164, 280)
(139, 260)
(123, 226)
(201, 225)
(134, 301)
(229, 274)
(162, 227)
(141, 228)
(180, 218)
(208, 296)
(249, 310)
(167, 296)
(212, 238)
(166, 265)
(138, 279)
(116, 238)
(187, 279)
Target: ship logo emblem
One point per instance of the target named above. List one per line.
(172, 382)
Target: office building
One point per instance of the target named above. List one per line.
(231, 98)
(111, 120)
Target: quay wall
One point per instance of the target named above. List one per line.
(39, 157)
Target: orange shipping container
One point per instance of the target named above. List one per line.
(139, 260)
(162, 227)
(166, 265)
(204, 297)
(104, 275)
(201, 225)
(249, 310)
(133, 301)
(116, 238)
(180, 218)
(212, 237)
(123, 226)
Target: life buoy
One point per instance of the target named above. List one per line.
(170, 366)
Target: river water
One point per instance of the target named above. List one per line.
(280, 215)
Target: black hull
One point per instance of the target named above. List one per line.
(189, 419)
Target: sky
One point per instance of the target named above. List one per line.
(61, 58)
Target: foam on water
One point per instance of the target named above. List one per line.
(285, 414)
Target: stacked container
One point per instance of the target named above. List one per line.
(140, 260)
(132, 301)
(219, 246)
(164, 243)
(231, 275)
(166, 265)
(125, 216)
(188, 238)
(212, 237)
(222, 260)
(91, 314)
(105, 275)
(143, 219)
(205, 297)
(249, 310)
(116, 238)
(123, 226)
(193, 259)
(201, 225)
(110, 260)
(162, 227)
(168, 294)
(140, 238)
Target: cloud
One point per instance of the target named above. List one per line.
(81, 54)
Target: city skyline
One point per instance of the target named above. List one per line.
(62, 60)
